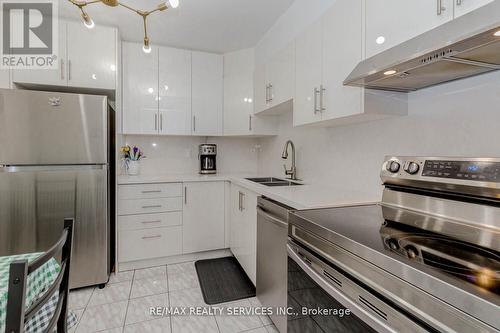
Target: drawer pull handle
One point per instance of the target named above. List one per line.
(151, 237)
(151, 191)
(154, 206)
(151, 222)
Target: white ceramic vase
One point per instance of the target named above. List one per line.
(133, 168)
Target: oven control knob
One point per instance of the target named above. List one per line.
(411, 252)
(413, 168)
(393, 166)
(393, 244)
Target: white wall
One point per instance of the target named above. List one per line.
(179, 155)
(457, 119)
(300, 15)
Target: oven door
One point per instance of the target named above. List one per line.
(322, 299)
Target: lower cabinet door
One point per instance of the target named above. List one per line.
(203, 217)
(149, 243)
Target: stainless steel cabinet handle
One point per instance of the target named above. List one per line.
(316, 92)
(321, 98)
(250, 122)
(150, 222)
(152, 191)
(150, 237)
(185, 195)
(440, 7)
(156, 122)
(161, 122)
(62, 69)
(270, 92)
(69, 70)
(271, 218)
(267, 93)
(153, 206)
(240, 201)
(194, 123)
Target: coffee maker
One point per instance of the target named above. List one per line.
(208, 159)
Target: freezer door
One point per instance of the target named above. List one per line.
(52, 128)
(33, 204)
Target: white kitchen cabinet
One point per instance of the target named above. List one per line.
(91, 56)
(203, 217)
(174, 88)
(280, 74)
(342, 51)
(140, 87)
(391, 22)
(243, 241)
(55, 77)
(5, 78)
(465, 6)
(308, 75)
(207, 92)
(324, 58)
(239, 118)
(87, 59)
(274, 81)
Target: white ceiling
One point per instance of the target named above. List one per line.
(208, 25)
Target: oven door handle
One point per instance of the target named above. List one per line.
(356, 309)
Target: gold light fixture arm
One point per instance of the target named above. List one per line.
(113, 3)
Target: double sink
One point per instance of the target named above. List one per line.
(271, 181)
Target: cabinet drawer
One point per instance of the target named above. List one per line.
(149, 191)
(149, 243)
(144, 206)
(143, 221)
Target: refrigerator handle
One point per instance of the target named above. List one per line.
(7, 168)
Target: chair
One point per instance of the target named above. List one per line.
(17, 314)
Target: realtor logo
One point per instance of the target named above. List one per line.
(29, 34)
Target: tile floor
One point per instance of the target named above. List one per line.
(123, 305)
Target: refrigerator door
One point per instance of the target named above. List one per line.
(33, 204)
(39, 128)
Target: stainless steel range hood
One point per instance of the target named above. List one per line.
(464, 47)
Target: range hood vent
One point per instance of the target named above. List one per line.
(464, 47)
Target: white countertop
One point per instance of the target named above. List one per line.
(306, 196)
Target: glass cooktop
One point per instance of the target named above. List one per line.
(368, 230)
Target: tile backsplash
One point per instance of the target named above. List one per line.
(179, 155)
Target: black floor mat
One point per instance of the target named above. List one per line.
(223, 280)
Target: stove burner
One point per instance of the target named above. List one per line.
(468, 262)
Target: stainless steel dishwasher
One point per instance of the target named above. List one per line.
(272, 235)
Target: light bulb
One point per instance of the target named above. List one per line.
(151, 90)
(146, 48)
(87, 21)
(497, 33)
(173, 3)
(390, 72)
(380, 40)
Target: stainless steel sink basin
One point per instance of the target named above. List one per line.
(271, 181)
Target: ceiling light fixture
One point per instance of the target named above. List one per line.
(390, 72)
(497, 33)
(89, 23)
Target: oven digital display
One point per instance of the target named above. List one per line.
(465, 170)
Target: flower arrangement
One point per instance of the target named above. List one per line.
(131, 154)
(131, 158)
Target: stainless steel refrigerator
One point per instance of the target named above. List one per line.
(56, 154)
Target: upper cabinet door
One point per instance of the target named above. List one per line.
(55, 77)
(342, 50)
(238, 91)
(207, 94)
(140, 87)
(175, 91)
(261, 89)
(465, 6)
(91, 56)
(308, 70)
(280, 75)
(391, 22)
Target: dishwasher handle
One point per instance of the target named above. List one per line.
(262, 213)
